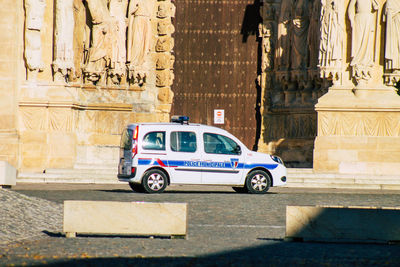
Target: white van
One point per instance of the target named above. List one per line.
(154, 155)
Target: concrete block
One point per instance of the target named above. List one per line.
(8, 174)
(343, 224)
(125, 218)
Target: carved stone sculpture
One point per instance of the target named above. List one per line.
(300, 32)
(364, 27)
(332, 36)
(392, 46)
(266, 32)
(118, 9)
(163, 27)
(81, 38)
(282, 58)
(162, 10)
(33, 26)
(63, 63)
(139, 38)
(313, 34)
(101, 43)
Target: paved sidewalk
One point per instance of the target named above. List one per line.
(225, 229)
(23, 217)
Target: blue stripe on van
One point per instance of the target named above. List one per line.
(203, 164)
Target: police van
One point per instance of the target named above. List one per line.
(155, 155)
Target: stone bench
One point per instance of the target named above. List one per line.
(343, 224)
(8, 175)
(125, 218)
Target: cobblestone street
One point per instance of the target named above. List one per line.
(225, 228)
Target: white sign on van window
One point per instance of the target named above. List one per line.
(219, 116)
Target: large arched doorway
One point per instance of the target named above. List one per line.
(216, 67)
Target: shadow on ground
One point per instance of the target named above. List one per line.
(278, 253)
(181, 192)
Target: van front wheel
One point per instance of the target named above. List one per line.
(154, 181)
(258, 182)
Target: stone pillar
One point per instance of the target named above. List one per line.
(358, 134)
(163, 56)
(10, 63)
(359, 117)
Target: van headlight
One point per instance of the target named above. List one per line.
(277, 159)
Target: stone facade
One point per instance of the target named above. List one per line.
(332, 103)
(290, 79)
(68, 86)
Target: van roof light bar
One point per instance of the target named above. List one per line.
(180, 119)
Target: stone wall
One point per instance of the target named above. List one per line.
(11, 49)
(78, 72)
(329, 74)
(289, 80)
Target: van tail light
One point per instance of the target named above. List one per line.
(136, 133)
(135, 141)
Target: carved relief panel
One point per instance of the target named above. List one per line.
(100, 42)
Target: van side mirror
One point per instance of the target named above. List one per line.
(238, 150)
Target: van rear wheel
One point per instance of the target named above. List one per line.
(136, 187)
(154, 181)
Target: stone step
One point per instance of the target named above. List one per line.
(87, 166)
(101, 176)
(347, 186)
(94, 171)
(308, 178)
(339, 180)
(67, 180)
(296, 178)
(300, 171)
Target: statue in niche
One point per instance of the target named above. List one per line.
(63, 62)
(100, 50)
(282, 59)
(139, 38)
(364, 28)
(392, 46)
(313, 35)
(34, 12)
(332, 36)
(300, 26)
(81, 37)
(118, 9)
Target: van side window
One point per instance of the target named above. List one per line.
(183, 141)
(219, 144)
(154, 141)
